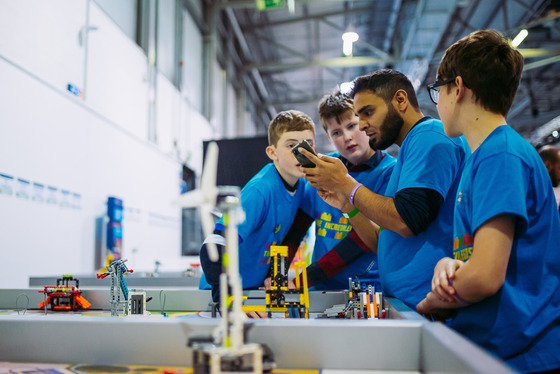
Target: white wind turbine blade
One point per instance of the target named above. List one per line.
(210, 192)
(209, 173)
(190, 199)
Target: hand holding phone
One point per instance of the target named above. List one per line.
(304, 161)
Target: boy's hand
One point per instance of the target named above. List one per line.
(442, 282)
(433, 308)
(267, 284)
(292, 284)
(328, 174)
(257, 314)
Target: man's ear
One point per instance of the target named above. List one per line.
(548, 165)
(400, 101)
(271, 153)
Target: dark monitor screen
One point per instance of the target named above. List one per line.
(239, 159)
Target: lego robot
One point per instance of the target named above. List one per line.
(280, 298)
(134, 302)
(361, 304)
(63, 296)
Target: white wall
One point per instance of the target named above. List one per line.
(117, 76)
(28, 39)
(91, 147)
(166, 38)
(192, 63)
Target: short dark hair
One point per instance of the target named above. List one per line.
(550, 153)
(384, 83)
(489, 66)
(334, 106)
(286, 121)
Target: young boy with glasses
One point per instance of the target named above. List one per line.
(503, 282)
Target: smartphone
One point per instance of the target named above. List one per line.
(304, 161)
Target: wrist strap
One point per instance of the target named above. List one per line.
(351, 214)
(461, 299)
(353, 193)
(457, 294)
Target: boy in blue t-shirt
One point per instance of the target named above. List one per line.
(338, 253)
(270, 201)
(504, 280)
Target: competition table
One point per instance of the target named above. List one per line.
(404, 342)
(136, 279)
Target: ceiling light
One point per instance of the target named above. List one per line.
(348, 38)
(519, 38)
(347, 47)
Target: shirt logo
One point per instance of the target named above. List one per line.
(328, 229)
(459, 196)
(277, 228)
(326, 217)
(462, 247)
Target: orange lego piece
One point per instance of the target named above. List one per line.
(83, 302)
(44, 302)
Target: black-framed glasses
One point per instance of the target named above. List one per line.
(433, 89)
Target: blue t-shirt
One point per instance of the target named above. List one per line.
(427, 159)
(331, 227)
(521, 322)
(269, 213)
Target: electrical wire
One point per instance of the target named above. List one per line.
(162, 302)
(22, 309)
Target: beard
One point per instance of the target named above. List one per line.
(389, 130)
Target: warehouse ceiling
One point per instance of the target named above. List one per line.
(289, 57)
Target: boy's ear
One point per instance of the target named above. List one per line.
(461, 88)
(271, 153)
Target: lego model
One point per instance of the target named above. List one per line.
(279, 298)
(63, 296)
(361, 304)
(226, 350)
(136, 305)
(134, 302)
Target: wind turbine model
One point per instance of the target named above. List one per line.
(231, 351)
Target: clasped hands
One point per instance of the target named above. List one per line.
(442, 298)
